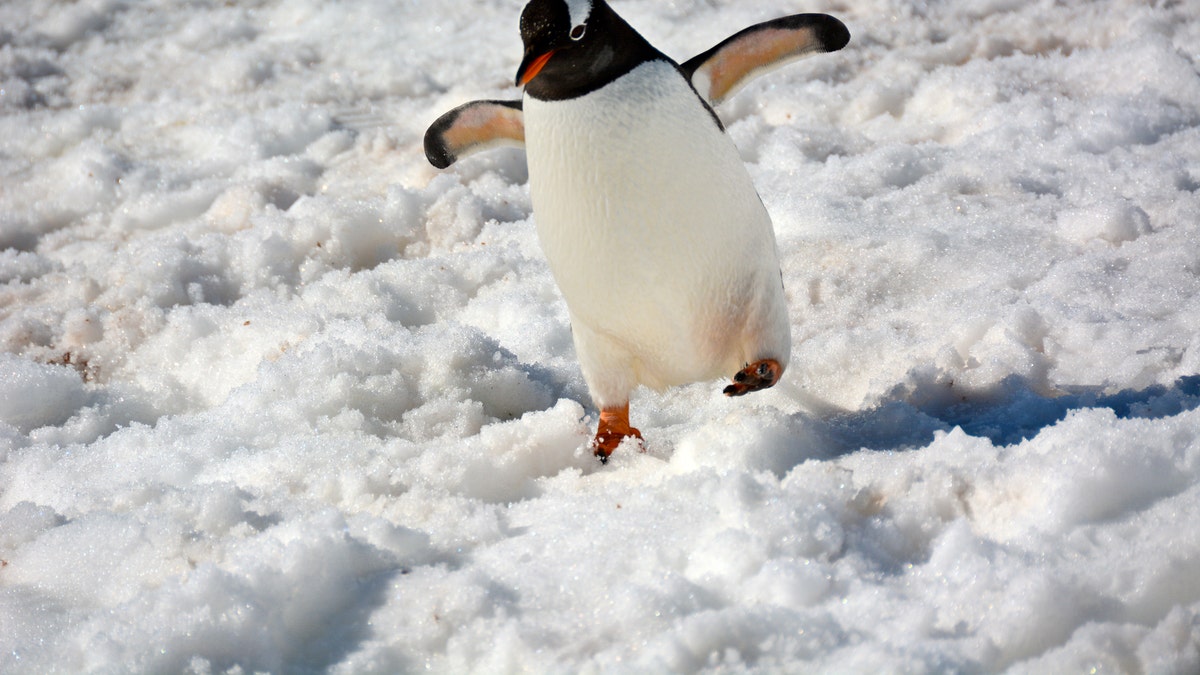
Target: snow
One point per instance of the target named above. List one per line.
(276, 395)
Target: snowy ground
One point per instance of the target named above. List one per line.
(276, 395)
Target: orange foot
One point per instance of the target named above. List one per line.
(757, 375)
(614, 427)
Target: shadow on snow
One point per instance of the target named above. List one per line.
(1009, 413)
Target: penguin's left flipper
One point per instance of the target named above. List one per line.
(474, 127)
(754, 377)
(719, 72)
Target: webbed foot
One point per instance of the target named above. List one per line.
(755, 376)
(614, 428)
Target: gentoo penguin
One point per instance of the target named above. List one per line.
(647, 216)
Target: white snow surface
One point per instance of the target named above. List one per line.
(276, 395)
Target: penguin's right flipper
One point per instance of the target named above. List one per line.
(473, 127)
(719, 72)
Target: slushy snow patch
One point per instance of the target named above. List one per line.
(37, 395)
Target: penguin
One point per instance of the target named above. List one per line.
(651, 225)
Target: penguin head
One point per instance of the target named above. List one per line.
(573, 47)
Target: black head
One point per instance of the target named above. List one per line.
(573, 47)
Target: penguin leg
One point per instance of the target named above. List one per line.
(614, 428)
(755, 376)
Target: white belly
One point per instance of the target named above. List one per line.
(655, 235)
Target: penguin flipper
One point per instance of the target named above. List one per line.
(719, 72)
(474, 127)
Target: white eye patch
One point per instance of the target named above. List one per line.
(579, 10)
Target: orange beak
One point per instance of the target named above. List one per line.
(530, 71)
